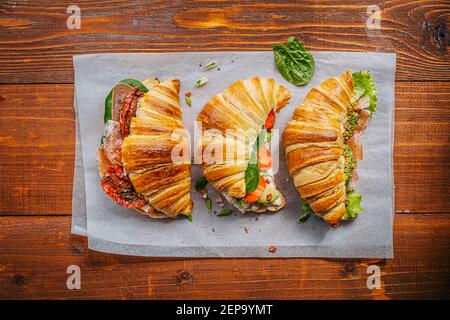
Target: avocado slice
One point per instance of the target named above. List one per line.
(270, 194)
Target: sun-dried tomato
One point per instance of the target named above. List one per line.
(118, 186)
(128, 110)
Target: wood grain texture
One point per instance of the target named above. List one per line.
(37, 148)
(37, 47)
(36, 251)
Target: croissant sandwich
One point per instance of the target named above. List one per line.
(143, 128)
(323, 144)
(236, 129)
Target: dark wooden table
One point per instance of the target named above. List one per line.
(37, 136)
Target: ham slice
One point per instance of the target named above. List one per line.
(355, 143)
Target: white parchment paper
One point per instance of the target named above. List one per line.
(114, 229)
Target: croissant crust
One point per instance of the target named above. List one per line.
(236, 117)
(155, 133)
(314, 146)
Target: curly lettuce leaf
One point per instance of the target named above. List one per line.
(353, 207)
(363, 82)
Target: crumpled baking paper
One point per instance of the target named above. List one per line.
(115, 229)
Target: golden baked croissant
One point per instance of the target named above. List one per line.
(136, 158)
(236, 125)
(322, 144)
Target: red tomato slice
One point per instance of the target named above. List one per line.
(118, 186)
(255, 195)
(265, 159)
(270, 121)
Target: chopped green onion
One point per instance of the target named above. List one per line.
(201, 82)
(208, 204)
(224, 212)
(210, 66)
(188, 100)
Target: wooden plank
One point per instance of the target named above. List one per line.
(422, 147)
(37, 148)
(37, 47)
(36, 251)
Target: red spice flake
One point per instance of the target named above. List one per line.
(245, 229)
(188, 94)
(257, 218)
(2, 98)
(272, 249)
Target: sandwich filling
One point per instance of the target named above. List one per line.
(120, 108)
(261, 191)
(363, 105)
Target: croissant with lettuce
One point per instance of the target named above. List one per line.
(143, 128)
(236, 129)
(323, 144)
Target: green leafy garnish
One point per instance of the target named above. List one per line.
(201, 184)
(188, 100)
(306, 212)
(224, 212)
(208, 204)
(295, 63)
(353, 207)
(210, 66)
(201, 82)
(240, 203)
(108, 101)
(189, 218)
(108, 107)
(252, 171)
(363, 80)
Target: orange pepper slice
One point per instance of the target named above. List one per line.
(270, 121)
(264, 158)
(255, 195)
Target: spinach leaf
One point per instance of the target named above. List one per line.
(108, 101)
(201, 183)
(251, 177)
(294, 61)
(252, 171)
(306, 212)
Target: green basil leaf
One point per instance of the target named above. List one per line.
(224, 212)
(108, 100)
(189, 218)
(295, 63)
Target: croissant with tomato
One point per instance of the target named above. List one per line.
(143, 132)
(236, 129)
(323, 144)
